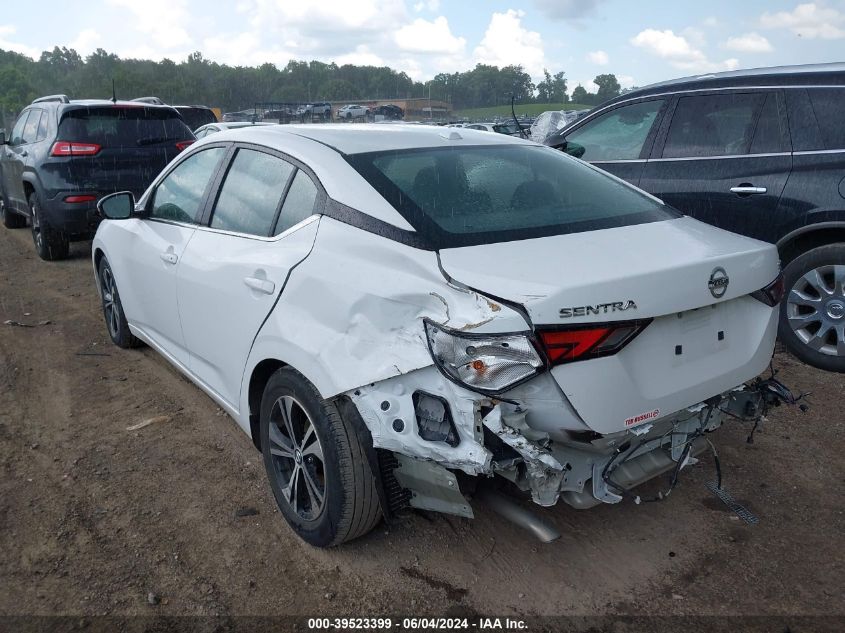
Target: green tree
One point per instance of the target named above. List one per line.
(580, 95)
(608, 87)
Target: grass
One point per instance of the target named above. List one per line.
(531, 109)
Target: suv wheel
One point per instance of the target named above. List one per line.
(812, 315)
(113, 309)
(318, 470)
(11, 220)
(50, 244)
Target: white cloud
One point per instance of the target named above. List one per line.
(362, 56)
(7, 30)
(422, 36)
(710, 22)
(86, 41)
(626, 81)
(678, 51)
(429, 5)
(163, 21)
(808, 20)
(599, 58)
(506, 42)
(749, 43)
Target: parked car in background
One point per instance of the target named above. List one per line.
(352, 111)
(242, 115)
(320, 110)
(194, 116)
(389, 111)
(518, 333)
(62, 156)
(499, 128)
(213, 128)
(759, 152)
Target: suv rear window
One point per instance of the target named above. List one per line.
(123, 126)
(468, 195)
(827, 106)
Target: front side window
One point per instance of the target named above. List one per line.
(178, 197)
(251, 193)
(713, 125)
(16, 137)
(468, 195)
(616, 135)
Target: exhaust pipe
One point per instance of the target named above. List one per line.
(518, 515)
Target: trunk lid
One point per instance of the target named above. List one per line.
(660, 267)
(706, 335)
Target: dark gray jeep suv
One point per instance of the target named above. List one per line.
(62, 156)
(759, 152)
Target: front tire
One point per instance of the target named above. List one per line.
(317, 468)
(50, 244)
(116, 323)
(812, 315)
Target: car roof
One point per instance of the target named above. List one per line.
(796, 75)
(371, 137)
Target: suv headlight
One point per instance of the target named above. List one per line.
(487, 363)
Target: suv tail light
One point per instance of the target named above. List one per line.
(772, 294)
(183, 144)
(582, 342)
(70, 148)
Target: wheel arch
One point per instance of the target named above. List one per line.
(808, 237)
(255, 389)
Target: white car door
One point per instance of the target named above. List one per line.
(146, 255)
(233, 271)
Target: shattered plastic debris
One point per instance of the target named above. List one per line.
(141, 425)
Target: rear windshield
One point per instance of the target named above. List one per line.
(123, 126)
(464, 196)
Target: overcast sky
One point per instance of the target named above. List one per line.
(641, 42)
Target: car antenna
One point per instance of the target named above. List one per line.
(113, 93)
(515, 120)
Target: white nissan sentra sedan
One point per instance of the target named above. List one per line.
(393, 313)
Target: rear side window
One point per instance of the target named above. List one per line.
(179, 195)
(16, 137)
(251, 193)
(30, 130)
(713, 125)
(117, 126)
(769, 134)
(42, 127)
(617, 135)
(299, 203)
(465, 195)
(827, 107)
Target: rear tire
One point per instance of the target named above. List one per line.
(50, 244)
(317, 467)
(11, 220)
(116, 324)
(812, 314)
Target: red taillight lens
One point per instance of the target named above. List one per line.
(772, 294)
(69, 148)
(80, 198)
(581, 342)
(183, 144)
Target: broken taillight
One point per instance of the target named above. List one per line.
(582, 342)
(772, 294)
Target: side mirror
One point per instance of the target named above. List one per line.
(573, 149)
(117, 206)
(2, 137)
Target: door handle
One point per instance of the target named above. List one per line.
(261, 285)
(748, 190)
(169, 258)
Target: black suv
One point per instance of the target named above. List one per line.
(194, 116)
(63, 155)
(759, 152)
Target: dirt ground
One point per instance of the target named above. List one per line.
(94, 517)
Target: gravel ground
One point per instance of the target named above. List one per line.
(176, 518)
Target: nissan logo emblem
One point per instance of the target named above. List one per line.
(718, 283)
